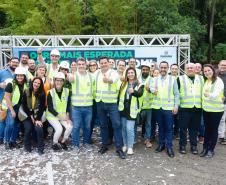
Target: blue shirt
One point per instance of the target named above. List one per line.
(5, 74)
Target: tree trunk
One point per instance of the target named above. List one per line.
(210, 29)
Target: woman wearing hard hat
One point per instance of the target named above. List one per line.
(13, 98)
(58, 101)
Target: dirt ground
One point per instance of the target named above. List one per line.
(145, 167)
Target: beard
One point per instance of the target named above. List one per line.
(145, 75)
(24, 61)
(12, 68)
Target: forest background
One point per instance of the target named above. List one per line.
(204, 20)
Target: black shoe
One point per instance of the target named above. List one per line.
(170, 152)
(121, 154)
(56, 147)
(209, 154)
(7, 146)
(203, 153)
(15, 145)
(159, 149)
(222, 141)
(1, 141)
(27, 150)
(194, 150)
(64, 146)
(182, 150)
(40, 152)
(103, 150)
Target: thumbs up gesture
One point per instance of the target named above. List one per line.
(131, 90)
(105, 79)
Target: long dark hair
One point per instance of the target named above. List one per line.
(15, 81)
(214, 77)
(40, 91)
(126, 78)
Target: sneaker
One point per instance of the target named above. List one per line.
(201, 140)
(56, 147)
(124, 148)
(7, 146)
(148, 144)
(130, 151)
(76, 149)
(88, 147)
(222, 141)
(64, 146)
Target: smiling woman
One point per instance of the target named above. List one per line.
(31, 113)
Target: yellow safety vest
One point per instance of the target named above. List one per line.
(165, 96)
(15, 96)
(147, 96)
(60, 105)
(191, 93)
(82, 94)
(210, 105)
(106, 93)
(135, 103)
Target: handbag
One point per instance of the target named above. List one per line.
(21, 114)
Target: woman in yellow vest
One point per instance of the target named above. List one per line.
(213, 108)
(129, 106)
(31, 111)
(58, 102)
(13, 99)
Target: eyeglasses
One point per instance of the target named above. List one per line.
(64, 69)
(59, 80)
(55, 56)
(92, 65)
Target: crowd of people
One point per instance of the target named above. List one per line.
(70, 96)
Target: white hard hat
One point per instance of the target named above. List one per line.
(20, 71)
(145, 63)
(65, 64)
(55, 52)
(59, 75)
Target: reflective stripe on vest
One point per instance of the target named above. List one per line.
(165, 97)
(190, 93)
(60, 105)
(109, 95)
(82, 97)
(147, 96)
(134, 105)
(210, 105)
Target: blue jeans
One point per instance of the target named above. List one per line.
(128, 134)
(81, 117)
(2, 130)
(147, 113)
(11, 128)
(165, 121)
(110, 109)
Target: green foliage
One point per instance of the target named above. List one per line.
(41, 17)
(220, 52)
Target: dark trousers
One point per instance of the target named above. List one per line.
(190, 119)
(165, 121)
(106, 111)
(211, 122)
(176, 124)
(28, 127)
